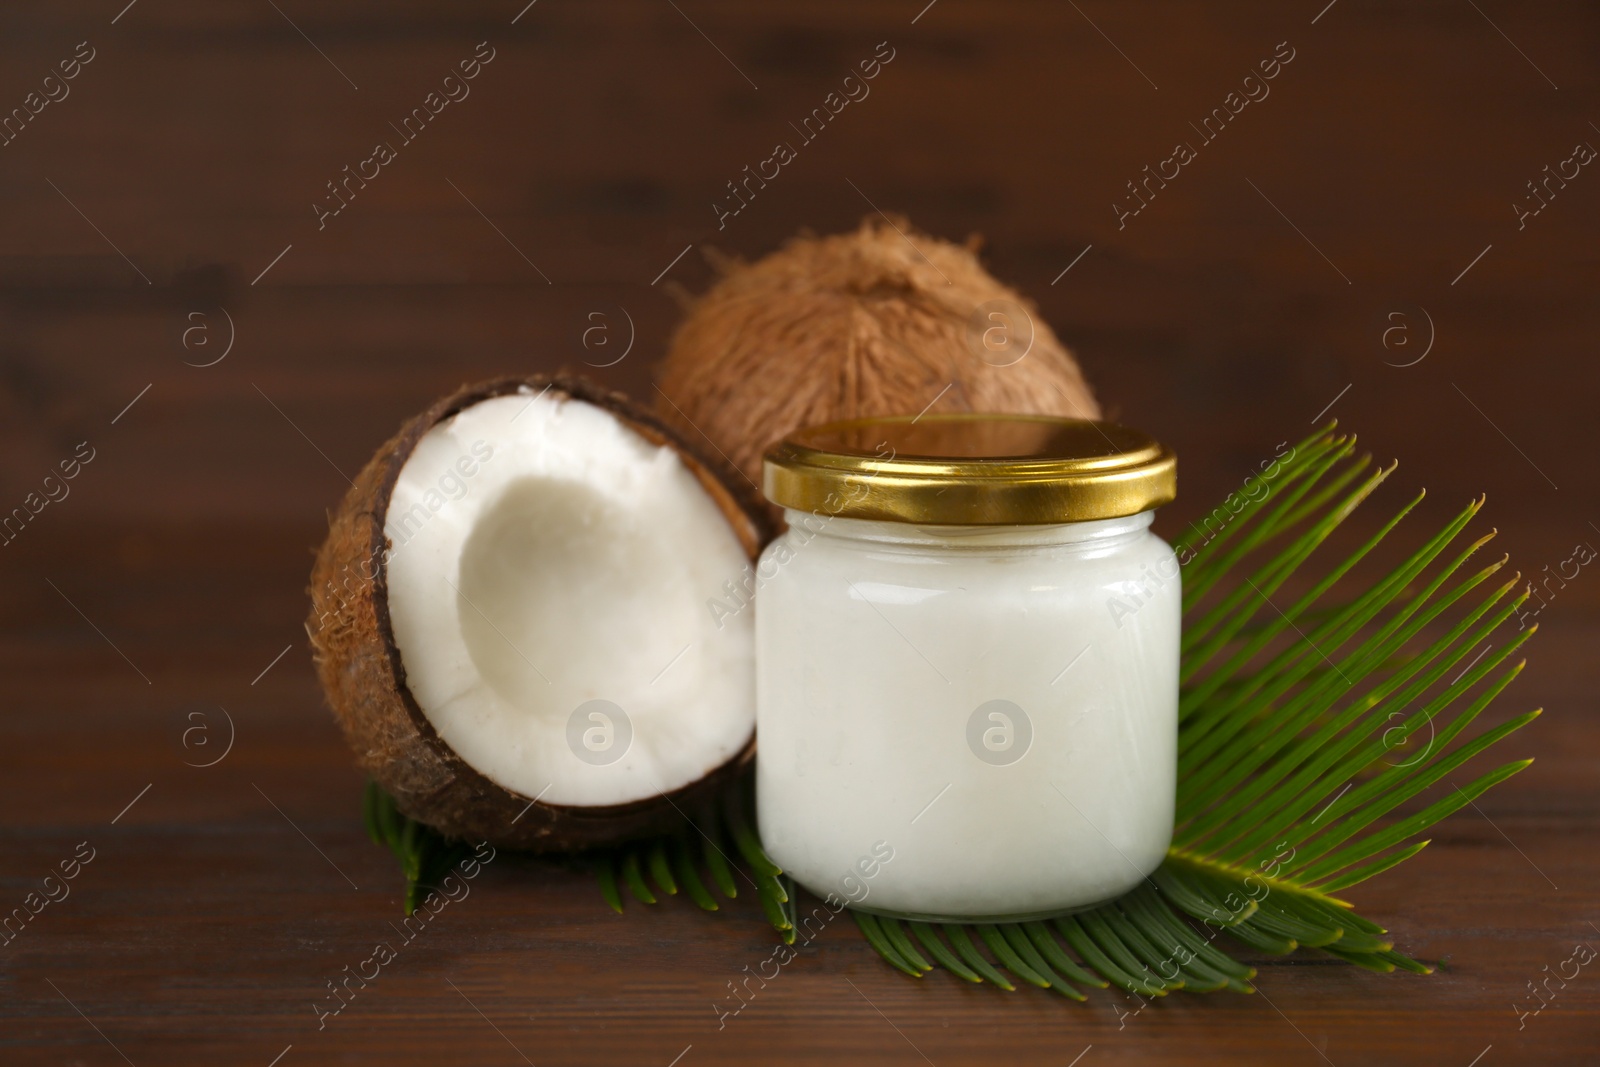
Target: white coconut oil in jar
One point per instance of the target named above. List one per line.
(967, 665)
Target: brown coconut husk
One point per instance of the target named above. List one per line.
(362, 672)
(862, 324)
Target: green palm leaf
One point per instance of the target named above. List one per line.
(1312, 709)
(425, 855)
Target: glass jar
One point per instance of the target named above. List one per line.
(967, 665)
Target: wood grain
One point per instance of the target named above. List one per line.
(1251, 294)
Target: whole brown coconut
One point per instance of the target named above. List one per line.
(365, 677)
(883, 321)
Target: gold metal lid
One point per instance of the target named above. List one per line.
(970, 470)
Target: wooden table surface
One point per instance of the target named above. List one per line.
(1348, 246)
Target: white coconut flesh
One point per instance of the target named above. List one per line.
(549, 577)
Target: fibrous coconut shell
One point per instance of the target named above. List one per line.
(882, 321)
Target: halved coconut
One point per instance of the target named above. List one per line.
(519, 617)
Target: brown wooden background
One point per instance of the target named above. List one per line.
(187, 157)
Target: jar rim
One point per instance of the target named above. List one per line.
(971, 470)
